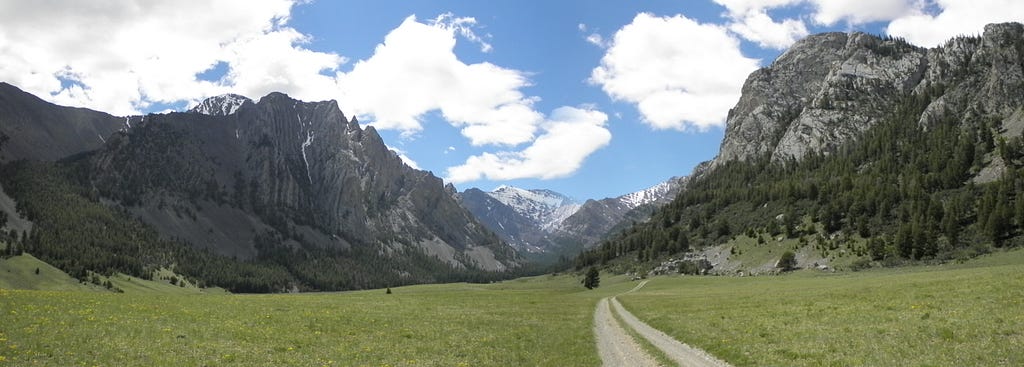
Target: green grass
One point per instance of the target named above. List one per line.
(541, 321)
(19, 272)
(954, 315)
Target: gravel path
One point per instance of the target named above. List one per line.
(614, 345)
(617, 347)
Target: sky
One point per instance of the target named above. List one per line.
(592, 99)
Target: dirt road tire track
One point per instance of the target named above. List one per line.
(617, 348)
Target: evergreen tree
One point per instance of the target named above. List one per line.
(592, 279)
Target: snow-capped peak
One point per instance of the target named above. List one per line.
(545, 207)
(221, 105)
(656, 193)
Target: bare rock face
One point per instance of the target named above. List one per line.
(300, 169)
(829, 88)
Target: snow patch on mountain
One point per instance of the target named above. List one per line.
(649, 195)
(546, 208)
(222, 105)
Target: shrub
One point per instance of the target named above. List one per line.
(787, 261)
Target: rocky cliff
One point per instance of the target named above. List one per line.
(829, 88)
(299, 171)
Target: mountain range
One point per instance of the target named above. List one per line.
(276, 181)
(543, 222)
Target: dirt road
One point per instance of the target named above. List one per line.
(617, 347)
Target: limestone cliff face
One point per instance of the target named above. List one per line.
(828, 88)
(299, 169)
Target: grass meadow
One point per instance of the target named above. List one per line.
(951, 315)
(543, 321)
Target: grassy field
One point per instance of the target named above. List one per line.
(544, 321)
(953, 315)
(19, 272)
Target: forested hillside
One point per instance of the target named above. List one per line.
(937, 178)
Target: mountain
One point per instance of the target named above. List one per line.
(543, 221)
(598, 218)
(292, 186)
(38, 130)
(827, 89)
(523, 218)
(856, 147)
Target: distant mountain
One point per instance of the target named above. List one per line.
(544, 221)
(281, 182)
(596, 218)
(524, 218)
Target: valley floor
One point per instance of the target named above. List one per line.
(950, 315)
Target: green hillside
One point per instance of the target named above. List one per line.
(910, 193)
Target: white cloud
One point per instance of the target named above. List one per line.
(597, 40)
(746, 6)
(570, 136)
(749, 19)
(678, 72)
(830, 12)
(120, 56)
(956, 17)
(757, 26)
(482, 99)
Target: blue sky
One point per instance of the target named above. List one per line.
(591, 99)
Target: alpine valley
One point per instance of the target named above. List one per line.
(849, 151)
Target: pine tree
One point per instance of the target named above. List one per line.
(592, 279)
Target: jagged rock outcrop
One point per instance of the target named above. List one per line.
(829, 88)
(300, 171)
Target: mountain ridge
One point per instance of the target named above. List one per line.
(279, 182)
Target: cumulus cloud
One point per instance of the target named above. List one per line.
(750, 20)
(570, 135)
(482, 99)
(955, 17)
(757, 26)
(678, 72)
(121, 56)
(829, 12)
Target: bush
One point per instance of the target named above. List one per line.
(861, 264)
(787, 262)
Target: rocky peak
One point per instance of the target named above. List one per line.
(829, 88)
(222, 105)
(825, 89)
